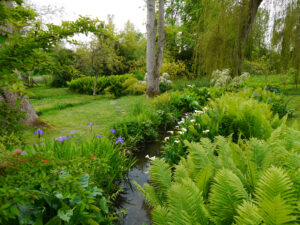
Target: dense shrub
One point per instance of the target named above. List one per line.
(67, 181)
(105, 84)
(222, 182)
(134, 87)
(175, 69)
(229, 115)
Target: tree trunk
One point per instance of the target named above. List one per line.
(31, 118)
(154, 61)
(95, 84)
(161, 39)
(251, 10)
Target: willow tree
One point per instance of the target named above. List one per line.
(154, 57)
(286, 37)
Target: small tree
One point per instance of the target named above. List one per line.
(154, 59)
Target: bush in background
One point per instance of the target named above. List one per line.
(105, 84)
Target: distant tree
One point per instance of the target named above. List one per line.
(154, 59)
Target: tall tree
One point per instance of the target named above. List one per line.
(154, 58)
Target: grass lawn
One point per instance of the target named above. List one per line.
(71, 113)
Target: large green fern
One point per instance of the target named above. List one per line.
(276, 197)
(226, 194)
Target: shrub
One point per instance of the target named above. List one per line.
(47, 189)
(64, 181)
(229, 115)
(174, 69)
(134, 87)
(105, 84)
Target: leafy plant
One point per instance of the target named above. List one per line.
(222, 182)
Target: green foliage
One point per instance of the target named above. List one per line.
(174, 69)
(62, 68)
(222, 182)
(230, 114)
(141, 126)
(111, 84)
(10, 128)
(134, 87)
(63, 181)
(47, 189)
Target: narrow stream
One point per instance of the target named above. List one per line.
(132, 200)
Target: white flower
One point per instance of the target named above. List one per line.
(151, 158)
(176, 141)
(167, 138)
(180, 132)
(205, 108)
(189, 85)
(198, 112)
(184, 129)
(205, 131)
(171, 132)
(180, 122)
(192, 121)
(177, 127)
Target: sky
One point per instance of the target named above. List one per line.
(123, 10)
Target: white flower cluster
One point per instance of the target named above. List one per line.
(220, 78)
(164, 78)
(180, 130)
(237, 81)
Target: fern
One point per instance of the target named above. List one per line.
(248, 214)
(276, 197)
(226, 194)
(160, 216)
(185, 204)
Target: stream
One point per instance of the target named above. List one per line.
(138, 212)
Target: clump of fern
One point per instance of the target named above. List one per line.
(222, 182)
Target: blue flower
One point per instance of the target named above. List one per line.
(113, 131)
(91, 124)
(99, 136)
(119, 140)
(39, 132)
(270, 99)
(70, 136)
(255, 95)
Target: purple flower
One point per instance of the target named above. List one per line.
(99, 136)
(39, 132)
(70, 136)
(270, 99)
(61, 139)
(113, 131)
(91, 124)
(119, 140)
(255, 95)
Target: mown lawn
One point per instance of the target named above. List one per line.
(70, 113)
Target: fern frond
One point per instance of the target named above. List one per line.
(186, 205)
(276, 197)
(226, 194)
(248, 214)
(160, 216)
(160, 177)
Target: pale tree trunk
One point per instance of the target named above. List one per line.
(95, 84)
(154, 61)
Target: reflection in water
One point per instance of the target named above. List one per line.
(132, 199)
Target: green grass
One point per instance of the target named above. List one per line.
(71, 113)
